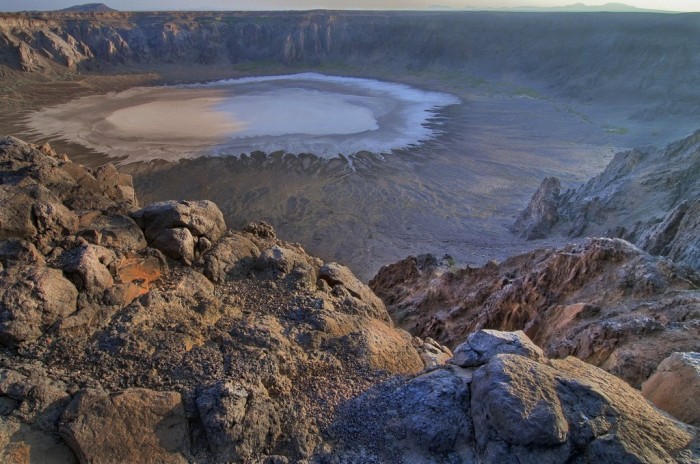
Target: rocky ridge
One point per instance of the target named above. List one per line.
(156, 334)
(617, 305)
(107, 311)
(660, 49)
(648, 197)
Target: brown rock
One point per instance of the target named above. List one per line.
(137, 425)
(675, 387)
(32, 299)
(232, 255)
(605, 301)
(89, 267)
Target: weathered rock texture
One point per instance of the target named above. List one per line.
(135, 344)
(646, 196)
(537, 220)
(675, 387)
(508, 408)
(606, 302)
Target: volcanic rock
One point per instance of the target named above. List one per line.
(541, 214)
(136, 425)
(648, 197)
(509, 409)
(675, 387)
(605, 301)
(32, 299)
(239, 422)
(482, 345)
(176, 227)
(233, 255)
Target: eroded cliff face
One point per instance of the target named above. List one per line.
(617, 305)
(648, 196)
(621, 57)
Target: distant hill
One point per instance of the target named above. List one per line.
(578, 8)
(89, 7)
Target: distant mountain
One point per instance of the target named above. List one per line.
(95, 7)
(577, 8)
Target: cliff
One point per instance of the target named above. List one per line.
(617, 305)
(644, 57)
(134, 334)
(648, 196)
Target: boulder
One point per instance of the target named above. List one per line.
(90, 267)
(32, 299)
(485, 344)
(136, 425)
(510, 409)
(536, 221)
(675, 387)
(280, 260)
(176, 243)
(117, 231)
(30, 209)
(232, 255)
(15, 251)
(201, 218)
(338, 275)
(239, 422)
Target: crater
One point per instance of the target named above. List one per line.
(312, 113)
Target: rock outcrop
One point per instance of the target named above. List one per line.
(241, 347)
(135, 344)
(136, 425)
(606, 302)
(536, 221)
(648, 197)
(675, 387)
(496, 46)
(508, 407)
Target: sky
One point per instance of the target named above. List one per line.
(19, 5)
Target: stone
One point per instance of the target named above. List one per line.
(281, 260)
(239, 422)
(30, 209)
(536, 221)
(233, 255)
(481, 346)
(90, 268)
(176, 243)
(16, 251)
(32, 299)
(675, 387)
(338, 275)
(118, 231)
(201, 218)
(515, 400)
(136, 425)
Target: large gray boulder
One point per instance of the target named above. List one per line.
(481, 346)
(136, 425)
(202, 218)
(675, 387)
